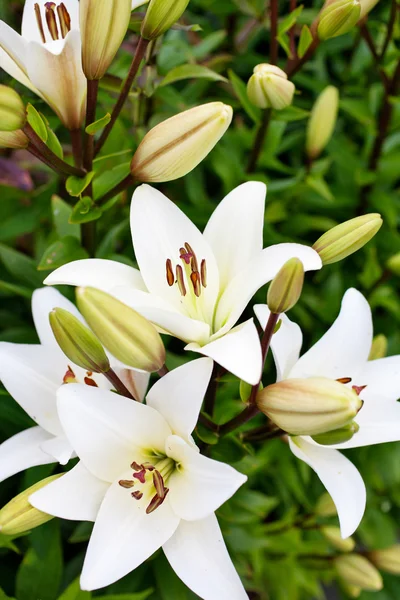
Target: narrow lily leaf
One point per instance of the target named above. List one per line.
(209, 44)
(85, 211)
(284, 42)
(291, 113)
(289, 21)
(11, 289)
(191, 72)
(61, 252)
(36, 122)
(61, 214)
(305, 41)
(76, 185)
(98, 125)
(74, 592)
(20, 266)
(241, 92)
(320, 186)
(54, 143)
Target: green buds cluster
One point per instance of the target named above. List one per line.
(387, 559)
(160, 16)
(12, 110)
(285, 289)
(334, 537)
(325, 506)
(322, 121)
(269, 87)
(338, 18)
(356, 570)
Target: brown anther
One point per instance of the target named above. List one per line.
(69, 376)
(344, 379)
(137, 495)
(90, 382)
(51, 20)
(158, 483)
(136, 467)
(39, 22)
(203, 273)
(140, 475)
(155, 502)
(194, 265)
(170, 273)
(64, 18)
(148, 466)
(126, 483)
(180, 280)
(195, 279)
(358, 388)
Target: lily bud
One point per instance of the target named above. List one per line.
(103, 25)
(77, 342)
(367, 6)
(338, 18)
(347, 238)
(129, 337)
(176, 146)
(356, 570)
(387, 559)
(18, 516)
(334, 537)
(393, 263)
(285, 289)
(12, 109)
(309, 406)
(325, 506)
(322, 121)
(15, 140)
(269, 87)
(160, 16)
(352, 591)
(337, 436)
(379, 347)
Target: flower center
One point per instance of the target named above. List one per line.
(150, 482)
(70, 377)
(187, 276)
(57, 29)
(357, 388)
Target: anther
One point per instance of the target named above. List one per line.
(158, 482)
(126, 483)
(69, 376)
(136, 467)
(156, 501)
(137, 495)
(194, 265)
(170, 273)
(203, 273)
(344, 379)
(90, 382)
(180, 280)
(195, 279)
(64, 18)
(51, 20)
(39, 22)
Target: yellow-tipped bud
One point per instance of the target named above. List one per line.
(337, 436)
(379, 347)
(18, 516)
(176, 146)
(334, 537)
(160, 16)
(352, 591)
(12, 109)
(347, 238)
(285, 289)
(357, 571)
(393, 263)
(103, 25)
(367, 6)
(77, 342)
(269, 87)
(309, 406)
(322, 121)
(125, 333)
(338, 18)
(15, 140)
(325, 506)
(387, 559)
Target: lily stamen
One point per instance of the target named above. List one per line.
(51, 20)
(64, 18)
(344, 380)
(189, 267)
(39, 22)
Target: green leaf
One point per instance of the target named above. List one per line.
(284, 41)
(133, 596)
(305, 41)
(61, 252)
(21, 267)
(12, 289)
(290, 113)
(191, 72)
(76, 185)
(3, 596)
(61, 214)
(241, 92)
(206, 435)
(209, 44)
(36, 122)
(54, 143)
(98, 125)
(319, 185)
(85, 211)
(288, 22)
(74, 592)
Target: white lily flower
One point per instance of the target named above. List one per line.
(191, 285)
(137, 3)
(142, 480)
(32, 374)
(343, 352)
(46, 58)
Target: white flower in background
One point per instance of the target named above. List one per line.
(191, 285)
(342, 353)
(46, 58)
(137, 3)
(32, 374)
(142, 480)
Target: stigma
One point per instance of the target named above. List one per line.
(56, 28)
(188, 274)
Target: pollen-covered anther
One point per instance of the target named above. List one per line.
(90, 382)
(69, 376)
(344, 380)
(52, 20)
(137, 495)
(156, 501)
(39, 22)
(196, 282)
(64, 18)
(170, 273)
(203, 273)
(126, 483)
(180, 280)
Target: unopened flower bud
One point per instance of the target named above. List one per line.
(309, 406)
(160, 16)
(77, 342)
(322, 121)
(356, 570)
(387, 559)
(337, 436)
(12, 109)
(176, 146)
(347, 238)
(18, 516)
(379, 347)
(103, 25)
(352, 591)
(367, 6)
(269, 87)
(325, 506)
(285, 289)
(334, 537)
(393, 264)
(338, 18)
(129, 337)
(15, 140)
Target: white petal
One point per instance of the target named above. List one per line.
(59, 448)
(260, 271)
(123, 537)
(108, 431)
(23, 451)
(382, 378)
(286, 342)
(238, 351)
(32, 375)
(13, 50)
(159, 230)
(30, 29)
(345, 347)
(43, 302)
(198, 555)
(77, 495)
(137, 382)
(200, 485)
(136, 3)
(341, 479)
(178, 396)
(235, 229)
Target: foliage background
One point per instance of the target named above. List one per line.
(234, 37)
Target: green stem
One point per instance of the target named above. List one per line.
(117, 383)
(259, 141)
(120, 187)
(43, 152)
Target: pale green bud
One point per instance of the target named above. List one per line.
(15, 140)
(322, 121)
(334, 537)
(352, 591)
(337, 436)
(285, 289)
(393, 264)
(269, 87)
(129, 337)
(325, 506)
(103, 25)
(379, 347)
(357, 571)
(77, 342)
(338, 18)
(309, 406)
(18, 516)
(12, 109)
(176, 146)
(387, 559)
(347, 238)
(367, 6)
(160, 16)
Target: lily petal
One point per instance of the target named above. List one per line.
(23, 451)
(136, 3)
(43, 302)
(239, 351)
(178, 396)
(137, 382)
(345, 347)
(13, 49)
(108, 431)
(76, 496)
(286, 342)
(341, 479)
(235, 229)
(382, 378)
(201, 484)
(59, 448)
(198, 555)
